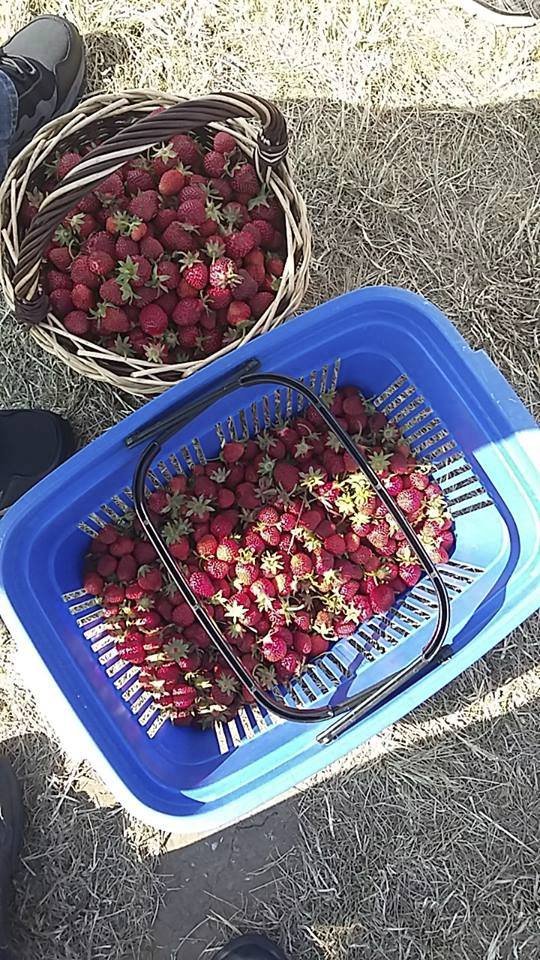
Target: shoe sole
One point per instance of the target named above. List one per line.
(262, 948)
(487, 12)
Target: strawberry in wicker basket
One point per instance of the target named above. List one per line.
(145, 236)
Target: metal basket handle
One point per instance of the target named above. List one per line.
(272, 144)
(353, 708)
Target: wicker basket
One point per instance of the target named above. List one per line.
(125, 121)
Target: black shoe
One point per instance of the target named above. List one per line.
(508, 13)
(250, 947)
(46, 63)
(11, 833)
(32, 444)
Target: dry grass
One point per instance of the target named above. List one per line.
(416, 138)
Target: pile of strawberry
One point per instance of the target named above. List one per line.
(284, 541)
(171, 258)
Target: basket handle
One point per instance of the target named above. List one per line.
(352, 709)
(30, 305)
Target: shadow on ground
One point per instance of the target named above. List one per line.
(424, 847)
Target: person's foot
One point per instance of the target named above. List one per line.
(509, 13)
(46, 63)
(11, 832)
(250, 947)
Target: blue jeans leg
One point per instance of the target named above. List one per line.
(9, 106)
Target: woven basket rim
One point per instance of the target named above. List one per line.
(143, 377)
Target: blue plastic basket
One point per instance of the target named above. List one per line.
(457, 412)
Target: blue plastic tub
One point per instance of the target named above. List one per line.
(456, 410)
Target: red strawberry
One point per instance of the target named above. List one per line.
(410, 573)
(246, 288)
(138, 180)
(57, 280)
(149, 619)
(167, 302)
(188, 337)
(77, 323)
(182, 615)
(268, 516)
(188, 312)
(185, 291)
(145, 205)
(410, 500)
(113, 186)
(83, 298)
(143, 271)
(149, 578)
(260, 303)
(254, 541)
(81, 272)
(289, 665)
(418, 480)
(144, 552)
(100, 241)
(218, 297)
(217, 569)
(301, 565)
(274, 648)
(114, 320)
(192, 212)
(168, 273)
(246, 573)
(184, 696)
(195, 273)
(302, 643)
(202, 585)
(244, 180)
(171, 182)
(394, 485)
(193, 191)
(106, 565)
(238, 313)
(66, 162)
(126, 247)
(151, 248)
(111, 291)
(232, 452)
(381, 597)
(214, 163)
(222, 273)
(319, 645)
(224, 142)
(153, 320)
(100, 262)
(127, 568)
(60, 257)
(287, 475)
(174, 237)
(335, 544)
(238, 245)
(60, 303)
(186, 150)
(207, 546)
(227, 550)
(265, 231)
(93, 584)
